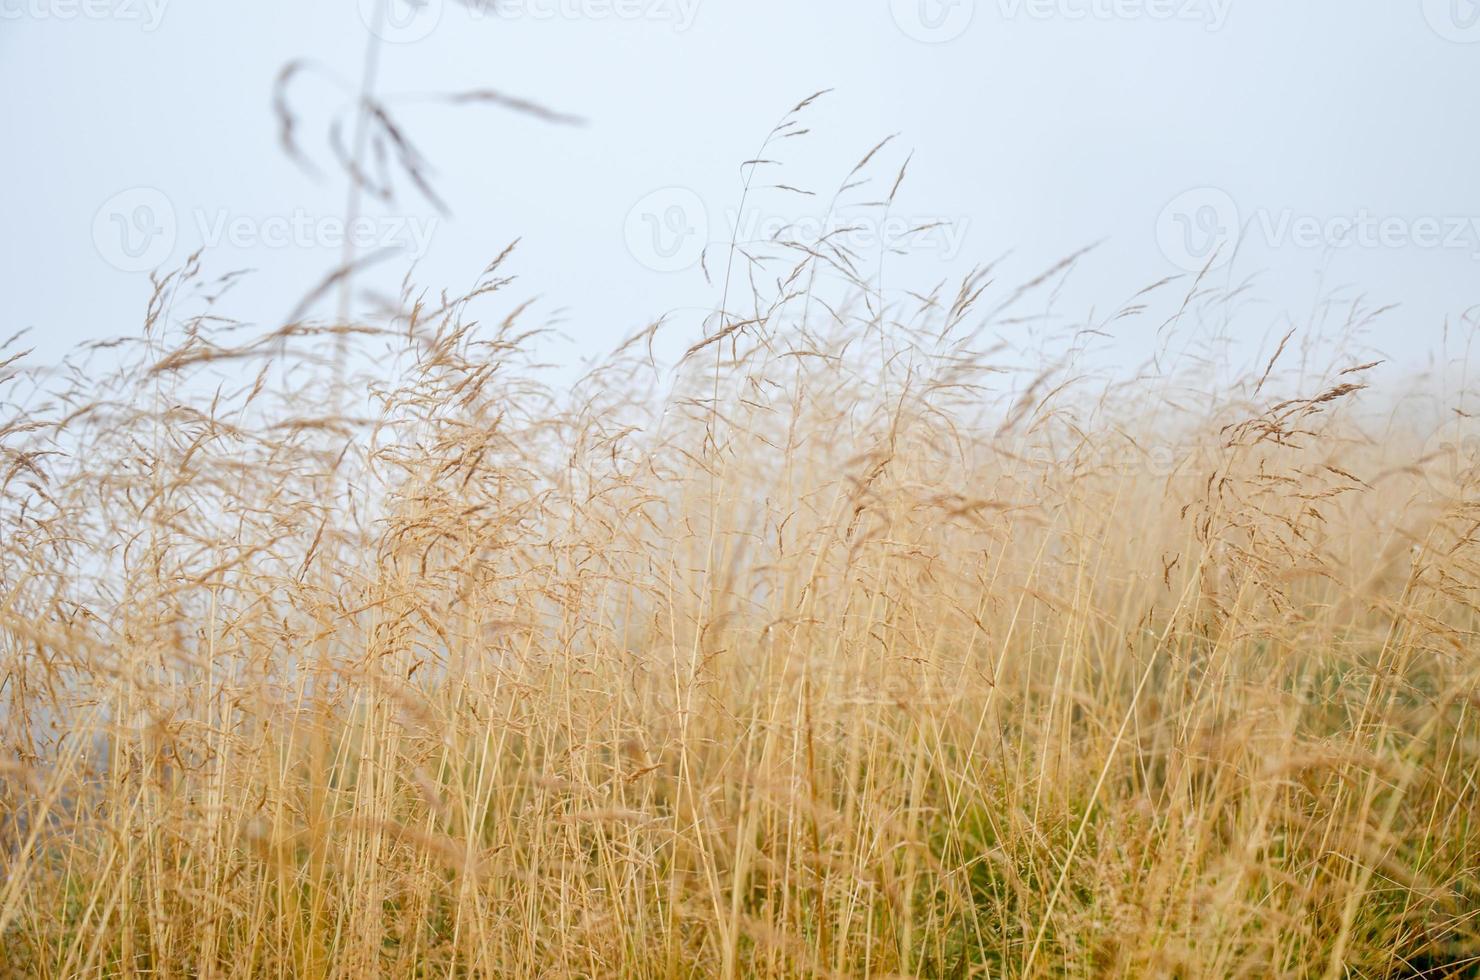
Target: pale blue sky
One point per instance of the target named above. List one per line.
(1038, 126)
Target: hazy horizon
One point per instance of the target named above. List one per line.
(1033, 129)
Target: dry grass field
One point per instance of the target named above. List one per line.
(856, 643)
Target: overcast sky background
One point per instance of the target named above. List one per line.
(138, 130)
